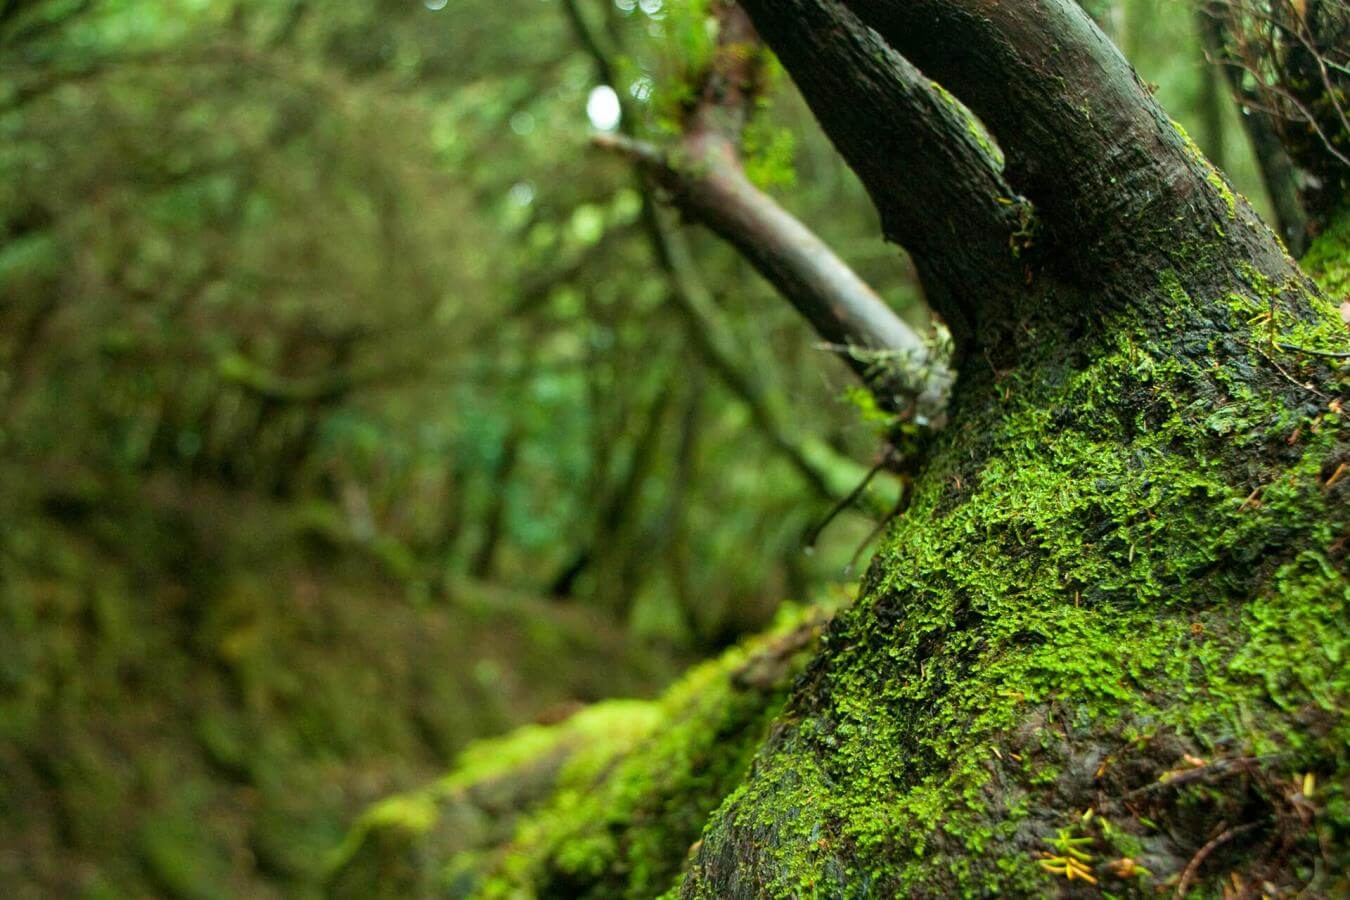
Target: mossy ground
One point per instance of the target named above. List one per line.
(194, 709)
(629, 787)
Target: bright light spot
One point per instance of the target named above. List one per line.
(522, 193)
(650, 7)
(602, 108)
(642, 89)
(435, 5)
(522, 123)
(588, 224)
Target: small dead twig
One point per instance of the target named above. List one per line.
(900, 506)
(1283, 372)
(1220, 768)
(1203, 853)
(1329, 354)
(814, 534)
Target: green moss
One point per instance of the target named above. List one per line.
(1108, 566)
(974, 127)
(385, 853)
(625, 831)
(1215, 178)
(604, 804)
(1220, 185)
(1328, 260)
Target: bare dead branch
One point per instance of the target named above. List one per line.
(709, 186)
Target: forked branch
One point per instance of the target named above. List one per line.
(703, 176)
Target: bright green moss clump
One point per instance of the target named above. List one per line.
(395, 847)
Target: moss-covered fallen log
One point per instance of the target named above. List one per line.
(605, 804)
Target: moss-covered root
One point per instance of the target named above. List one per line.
(605, 804)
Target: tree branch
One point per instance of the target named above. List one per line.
(710, 337)
(704, 178)
(709, 186)
(926, 163)
(1085, 139)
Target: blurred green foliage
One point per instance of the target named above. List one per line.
(347, 416)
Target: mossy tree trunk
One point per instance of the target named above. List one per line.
(1104, 650)
(1125, 556)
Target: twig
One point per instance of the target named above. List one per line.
(814, 534)
(1203, 853)
(900, 506)
(1219, 768)
(1287, 377)
(1329, 354)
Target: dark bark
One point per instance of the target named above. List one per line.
(1077, 125)
(1314, 73)
(1120, 193)
(931, 173)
